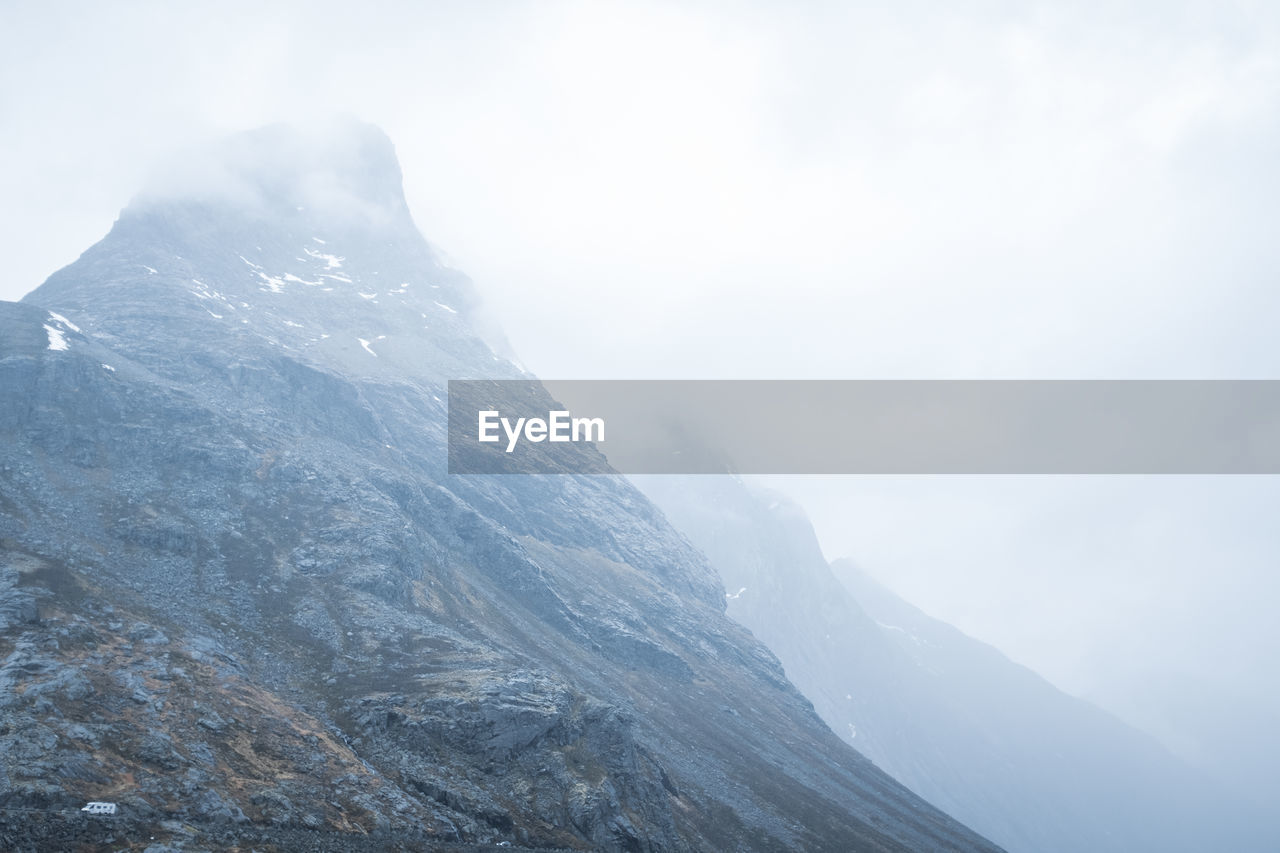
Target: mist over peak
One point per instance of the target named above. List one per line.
(291, 239)
(340, 170)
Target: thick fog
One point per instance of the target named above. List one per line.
(708, 190)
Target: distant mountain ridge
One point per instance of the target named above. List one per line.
(241, 596)
(977, 735)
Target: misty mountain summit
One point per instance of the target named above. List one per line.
(289, 244)
(241, 598)
(339, 170)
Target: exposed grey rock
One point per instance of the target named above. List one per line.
(368, 647)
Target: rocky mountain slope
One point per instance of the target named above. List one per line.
(976, 734)
(241, 596)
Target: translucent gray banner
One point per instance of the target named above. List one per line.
(864, 427)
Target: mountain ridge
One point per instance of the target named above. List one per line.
(248, 599)
(981, 737)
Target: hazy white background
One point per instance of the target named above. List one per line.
(775, 190)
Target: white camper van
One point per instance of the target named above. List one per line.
(99, 808)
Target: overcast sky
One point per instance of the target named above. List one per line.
(777, 190)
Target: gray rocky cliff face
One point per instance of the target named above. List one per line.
(241, 596)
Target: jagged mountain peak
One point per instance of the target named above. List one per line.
(288, 240)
